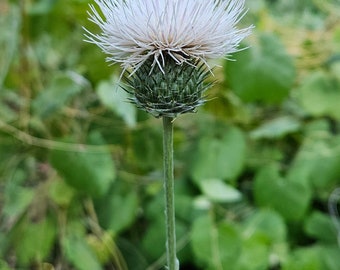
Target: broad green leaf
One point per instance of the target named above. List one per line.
(263, 72)
(304, 259)
(216, 246)
(219, 158)
(36, 241)
(290, 199)
(330, 257)
(87, 171)
(267, 223)
(117, 210)
(79, 253)
(319, 95)
(276, 128)
(254, 254)
(116, 99)
(61, 89)
(265, 230)
(218, 191)
(321, 227)
(16, 197)
(318, 162)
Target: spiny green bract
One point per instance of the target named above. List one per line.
(175, 90)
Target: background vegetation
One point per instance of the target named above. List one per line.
(81, 169)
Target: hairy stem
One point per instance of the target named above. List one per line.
(169, 193)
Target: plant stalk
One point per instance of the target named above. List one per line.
(172, 261)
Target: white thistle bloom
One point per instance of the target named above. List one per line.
(185, 30)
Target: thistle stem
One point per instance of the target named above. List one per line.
(169, 193)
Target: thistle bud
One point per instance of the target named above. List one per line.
(176, 89)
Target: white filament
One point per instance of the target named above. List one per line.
(134, 30)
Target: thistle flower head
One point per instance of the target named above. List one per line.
(135, 30)
(156, 40)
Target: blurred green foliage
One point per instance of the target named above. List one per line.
(81, 168)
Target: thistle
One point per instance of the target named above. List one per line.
(175, 90)
(164, 47)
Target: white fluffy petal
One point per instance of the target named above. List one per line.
(134, 30)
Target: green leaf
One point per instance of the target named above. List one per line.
(304, 259)
(87, 171)
(254, 255)
(290, 199)
(267, 223)
(62, 88)
(330, 257)
(218, 191)
(319, 95)
(17, 198)
(219, 158)
(321, 227)
(318, 162)
(117, 210)
(276, 128)
(36, 241)
(217, 246)
(263, 72)
(79, 253)
(116, 99)
(266, 232)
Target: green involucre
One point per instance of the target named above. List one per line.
(169, 92)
